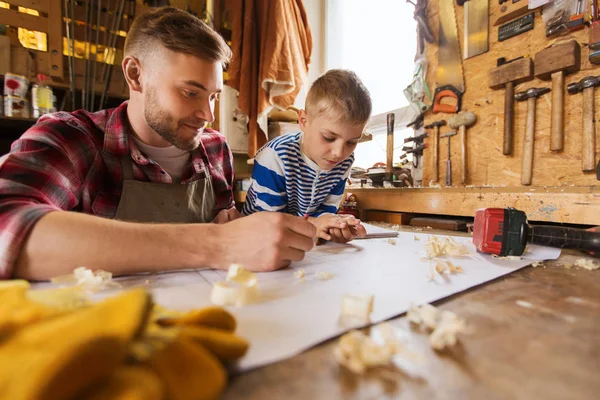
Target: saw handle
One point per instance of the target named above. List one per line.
(443, 92)
(562, 237)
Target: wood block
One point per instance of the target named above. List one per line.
(559, 57)
(517, 71)
(510, 10)
(440, 223)
(389, 217)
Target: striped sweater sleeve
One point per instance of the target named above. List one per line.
(267, 190)
(334, 199)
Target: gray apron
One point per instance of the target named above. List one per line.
(165, 202)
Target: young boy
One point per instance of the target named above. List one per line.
(305, 173)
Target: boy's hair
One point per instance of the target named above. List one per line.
(178, 31)
(340, 93)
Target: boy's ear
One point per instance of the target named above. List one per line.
(302, 119)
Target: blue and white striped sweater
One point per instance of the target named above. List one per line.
(285, 180)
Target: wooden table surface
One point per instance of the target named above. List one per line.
(549, 351)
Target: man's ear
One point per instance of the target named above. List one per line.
(132, 69)
(302, 119)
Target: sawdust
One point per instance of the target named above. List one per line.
(324, 276)
(586, 263)
(538, 264)
(513, 258)
(85, 278)
(392, 242)
(417, 238)
(300, 274)
(436, 247)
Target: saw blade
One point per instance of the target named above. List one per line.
(476, 27)
(449, 70)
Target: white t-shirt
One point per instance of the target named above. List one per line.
(172, 159)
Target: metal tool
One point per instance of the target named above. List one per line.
(113, 36)
(449, 160)
(505, 232)
(424, 33)
(577, 20)
(531, 96)
(389, 150)
(507, 76)
(587, 86)
(554, 63)
(476, 33)
(516, 27)
(436, 150)
(462, 121)
(450, 79)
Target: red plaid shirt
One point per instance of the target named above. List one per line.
(71, 161)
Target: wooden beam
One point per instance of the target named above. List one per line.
(577, 205)
(55, 39)
(22, 20)
(38, 5)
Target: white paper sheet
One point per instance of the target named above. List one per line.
(294, 316)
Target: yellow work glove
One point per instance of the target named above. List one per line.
(60, 357)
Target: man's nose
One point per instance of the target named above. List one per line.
(205, 111)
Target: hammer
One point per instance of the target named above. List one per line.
(448, 161)
(436, 151)
(531, 96)
(462, 121)
(587, 85)
(507, 76)
(553, 63)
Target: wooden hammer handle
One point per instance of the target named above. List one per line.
(588, 140)
(436, 154)
(509, 101)
(463, 153)
(557, 133)
(526, 171)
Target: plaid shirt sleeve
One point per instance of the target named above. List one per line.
(220, 161)
(43, 172)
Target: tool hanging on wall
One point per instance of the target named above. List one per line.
(449, 160)
(508, 10)
(450, 79)
(95, 65)
(531, 96)
(588, 142)
(516, 27)
(436, 149)
(389, 150)
(462, 121)
(577, 20)
(476, 40)
(424, 33)
(70, 31)
(506, 76)
(553, 63)
(506, 232)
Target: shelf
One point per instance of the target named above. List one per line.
(16, 122)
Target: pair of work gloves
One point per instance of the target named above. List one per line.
(55, 344)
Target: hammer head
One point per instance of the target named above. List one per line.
(529, 93)
(587, 82)
(558, 57)
(463, 118)
(516, 71)
(448, 134)
(435, 124)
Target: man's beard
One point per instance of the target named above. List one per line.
(165, 125)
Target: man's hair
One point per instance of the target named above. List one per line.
(178, 31)
(339, 94)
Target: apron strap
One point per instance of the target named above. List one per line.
(127, 166)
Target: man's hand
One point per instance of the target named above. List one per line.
(225, 216)
(264, 241)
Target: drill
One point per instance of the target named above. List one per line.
(505, 232)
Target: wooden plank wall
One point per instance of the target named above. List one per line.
(487, 165)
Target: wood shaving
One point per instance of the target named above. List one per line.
(391, 241)
(447, 267)
(357, 307)
(586, 263)
(358, 352)
(240, 289)
(442, 325)
(417, 238)
(538, 264)
(436, 247)
(324, 276)
(85, 278)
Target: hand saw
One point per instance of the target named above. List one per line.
(476, 28)
(450, 80)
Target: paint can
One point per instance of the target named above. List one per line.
(15, 85)
(16, 107)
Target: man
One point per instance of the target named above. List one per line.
(131, 189)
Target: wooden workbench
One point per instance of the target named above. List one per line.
(550, 351)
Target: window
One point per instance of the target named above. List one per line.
(376, 39)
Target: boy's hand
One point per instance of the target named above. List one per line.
(351, 231)
(225, 216)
